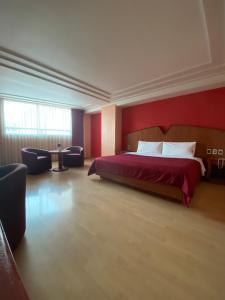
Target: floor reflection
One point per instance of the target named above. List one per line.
(46, 197)
(84, 235)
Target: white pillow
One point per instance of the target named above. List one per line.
(179, 148)
(153, 148)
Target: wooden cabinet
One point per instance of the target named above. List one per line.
(11, 286)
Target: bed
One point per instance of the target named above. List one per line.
(167, 175)
(181, 173)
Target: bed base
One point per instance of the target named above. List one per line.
(165, 190)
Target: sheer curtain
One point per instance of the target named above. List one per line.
(1, 131)
(32, 125)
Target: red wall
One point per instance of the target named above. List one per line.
(96, 135)
(206, 109)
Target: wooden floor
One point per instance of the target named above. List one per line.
(93, 239)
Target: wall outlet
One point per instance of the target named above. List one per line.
(214, 151)
(128, 147)
(220, 151)
(209, 151)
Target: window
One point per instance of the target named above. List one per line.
(35, 119)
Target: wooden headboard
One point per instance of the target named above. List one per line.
(205, 137)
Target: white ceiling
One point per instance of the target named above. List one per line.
(89, 53)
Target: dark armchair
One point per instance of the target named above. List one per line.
(12, 202)
(75, 158)
(36, 160)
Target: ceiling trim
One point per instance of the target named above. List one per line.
(182, 88)
(171, 80)
(22, 64)
(14, 97)
(160, 81)
(202, 9)
(165, 92)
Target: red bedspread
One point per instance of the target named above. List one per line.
(179, 172)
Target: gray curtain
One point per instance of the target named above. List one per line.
(77, 127)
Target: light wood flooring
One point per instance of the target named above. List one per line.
(88, 238)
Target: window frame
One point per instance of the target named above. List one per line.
(39, 131)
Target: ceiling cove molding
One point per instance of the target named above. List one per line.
(37, 100)
(22, 64)
(183, 88)
(198, 74)
(204, 19)
(92, 109)
(162, 80)
(188, 87)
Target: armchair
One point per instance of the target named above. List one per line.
(12, 202)
(36, 160)
(75, 158)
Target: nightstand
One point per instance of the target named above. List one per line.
(212, 162)
(120, 152)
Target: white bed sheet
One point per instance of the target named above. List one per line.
(174, 156)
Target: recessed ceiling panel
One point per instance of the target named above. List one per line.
(111, 44)
(20, 85)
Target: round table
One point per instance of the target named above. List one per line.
(60, 167)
